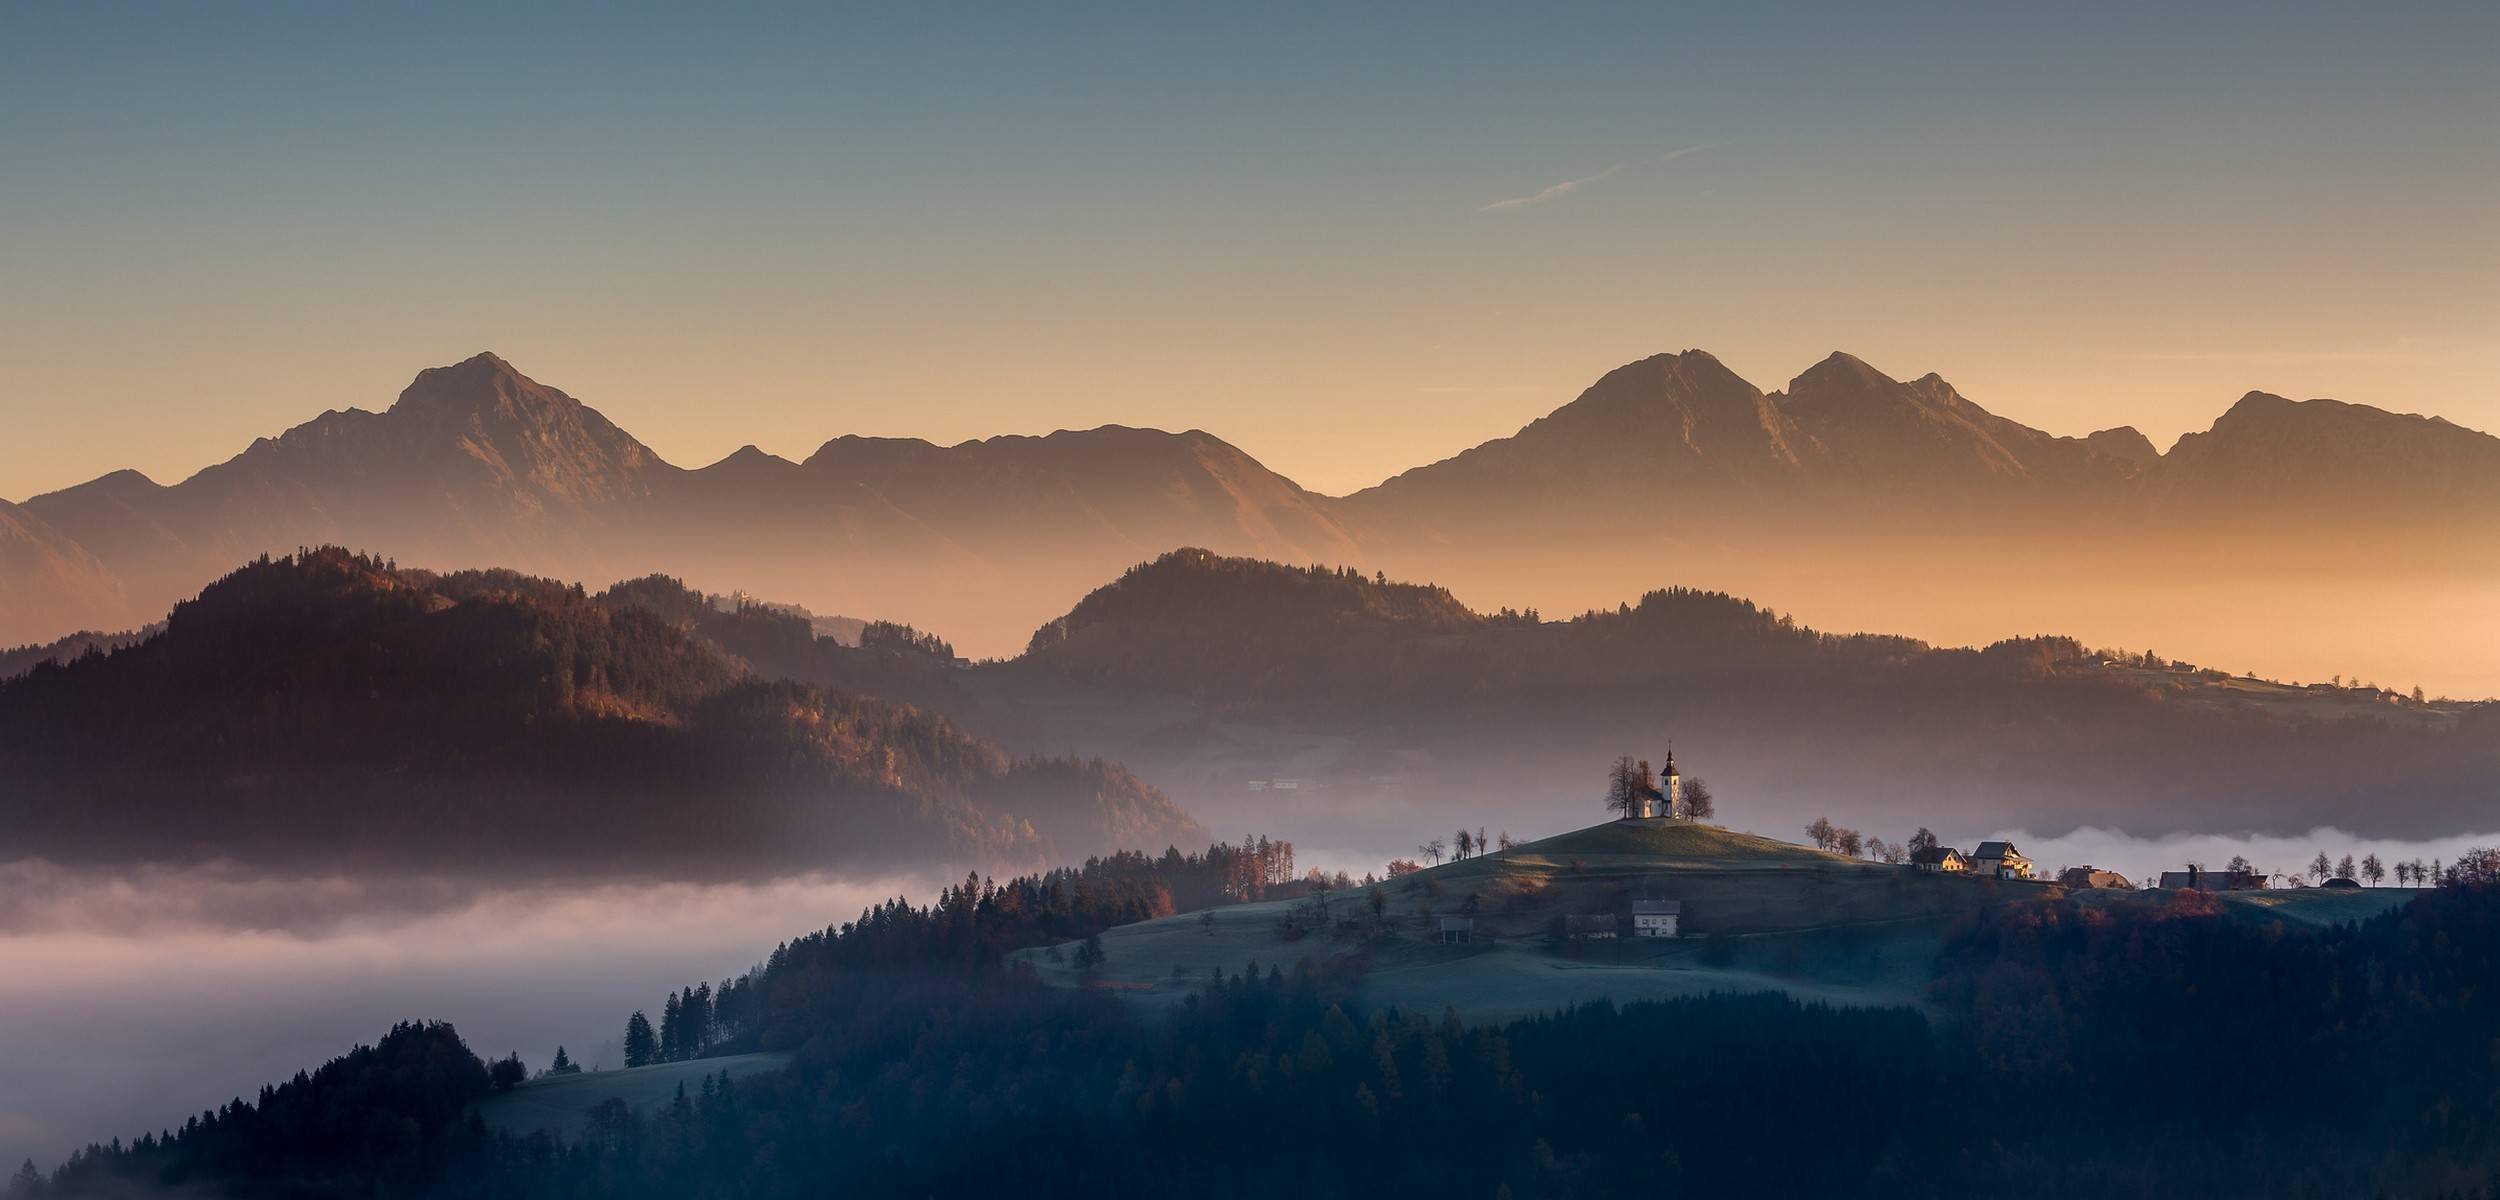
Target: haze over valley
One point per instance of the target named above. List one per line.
(1249, 601)
(2294, 539)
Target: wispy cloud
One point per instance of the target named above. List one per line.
(1568, 186)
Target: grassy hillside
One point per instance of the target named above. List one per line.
(1758, 915)
(561, 1104)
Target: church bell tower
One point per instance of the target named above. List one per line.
(1673, 785)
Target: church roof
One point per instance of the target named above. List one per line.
(1657, 908)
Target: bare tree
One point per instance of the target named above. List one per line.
(1922, 842)
(1847, 842)
(1822, 832)
(2345, 869)
(2373, 870)
(1466, 843)
(1432, 850)
(1699, 804)
(1623, 788)
(2320, 868)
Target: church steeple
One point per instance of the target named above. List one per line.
(1673, 784)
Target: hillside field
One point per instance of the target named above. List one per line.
(1758, 914)
(561, 1104)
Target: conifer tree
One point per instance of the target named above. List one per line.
(642, 1047)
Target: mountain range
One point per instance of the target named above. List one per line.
(1672, 464)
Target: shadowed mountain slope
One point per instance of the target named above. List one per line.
(330, 707)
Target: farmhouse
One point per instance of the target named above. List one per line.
(1458, 931)
(1656, 918)
(1999, 860)
(1940, 858)
(2079, 878)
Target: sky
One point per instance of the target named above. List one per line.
(1347, 238)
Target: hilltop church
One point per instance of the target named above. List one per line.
(1663, 798)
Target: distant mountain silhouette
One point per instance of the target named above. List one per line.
(48, 581)
(2328, 458)
(1205, 672)
(333, 708)
(1672, 462)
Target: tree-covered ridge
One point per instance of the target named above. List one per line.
(18, 660)
(2118, 1048)
(1198, 588)
(332, 703)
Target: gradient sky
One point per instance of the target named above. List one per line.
(1287, 226)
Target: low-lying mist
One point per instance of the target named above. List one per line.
(131, 999)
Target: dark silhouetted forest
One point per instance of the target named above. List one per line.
(331, 707)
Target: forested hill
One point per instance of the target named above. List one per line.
(329, 706)
(1202, 671)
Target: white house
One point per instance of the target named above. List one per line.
(1656, 918)
(1999, 860)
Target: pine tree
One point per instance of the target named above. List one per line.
(642, 1047)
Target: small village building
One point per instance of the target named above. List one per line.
(1458, 931)
(2081, 878)
(1657, 918)
(1999, 860)
(1940, 858)
(1591, 927)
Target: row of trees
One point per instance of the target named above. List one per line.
(1461, 845)
(2475, 866)
(1840, 840)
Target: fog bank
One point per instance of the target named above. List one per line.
(132, 999)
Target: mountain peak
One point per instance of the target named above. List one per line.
(2260, 404)
(2126, 443)
(482, 382)
(1840, 371)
